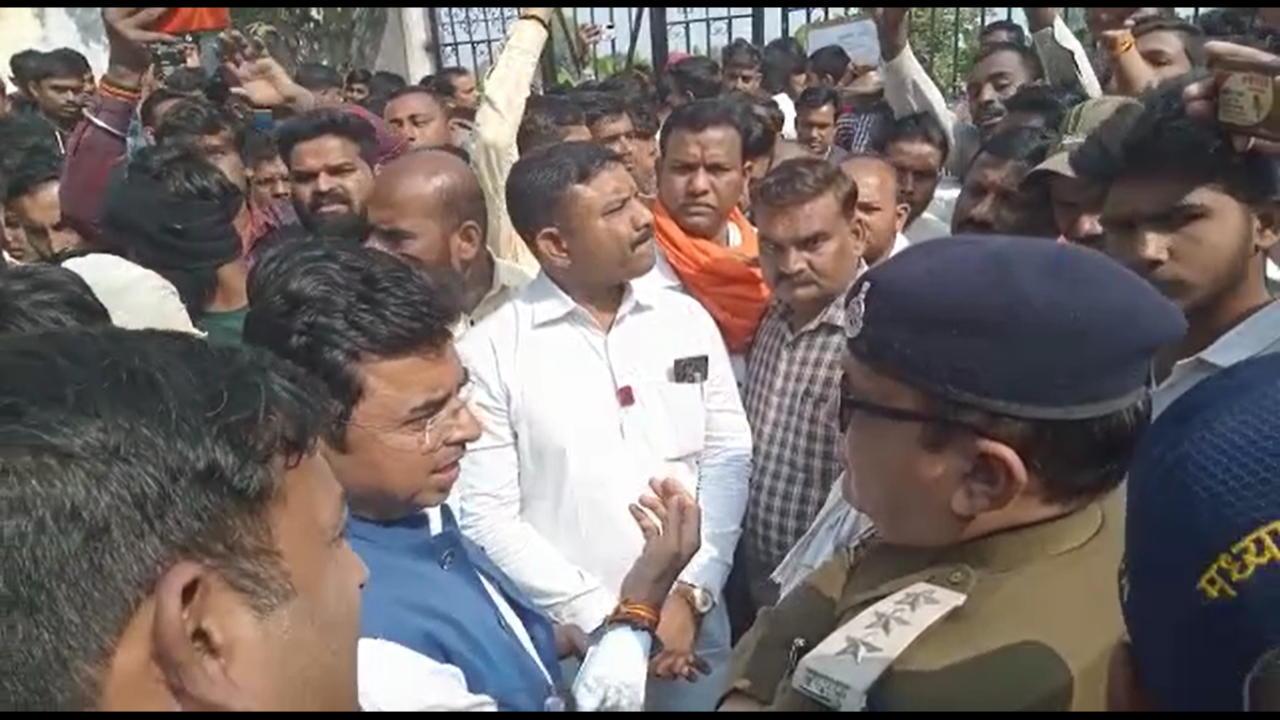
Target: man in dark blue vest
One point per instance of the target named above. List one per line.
(442, 628)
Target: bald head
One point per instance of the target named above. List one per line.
(878, 203)
(424, 204)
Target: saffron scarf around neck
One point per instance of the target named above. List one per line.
(726, 281)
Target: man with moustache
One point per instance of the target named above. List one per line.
(811, 249)
(331, 156)
(429, 206)
(588, 384)
(442, 628)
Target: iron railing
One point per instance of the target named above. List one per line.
(471, 37)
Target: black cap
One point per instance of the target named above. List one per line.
(1023, 327)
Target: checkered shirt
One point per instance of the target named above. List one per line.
(792, 383)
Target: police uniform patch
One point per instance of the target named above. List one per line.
(854, 312)
(841, 670)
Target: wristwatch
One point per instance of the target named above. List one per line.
(700, 599)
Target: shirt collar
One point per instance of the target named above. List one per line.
(551, 304)
(1248, 338)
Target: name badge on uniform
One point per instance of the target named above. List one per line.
(841, 670)
(690, 370)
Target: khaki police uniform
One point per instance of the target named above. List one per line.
(1022, 620)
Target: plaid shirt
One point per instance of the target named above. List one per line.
(855, 129)
(792, 383)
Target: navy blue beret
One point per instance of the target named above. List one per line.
(1201, 584)
(1021, 327)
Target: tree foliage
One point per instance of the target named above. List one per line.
(340, 37)
(946, 40)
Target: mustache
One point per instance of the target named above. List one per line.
(333, 196)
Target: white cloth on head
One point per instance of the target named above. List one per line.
(136, 298)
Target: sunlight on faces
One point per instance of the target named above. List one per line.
(330, 179)
(1193, 243)
(701, 178)
(991, 82)
(919, 167)
(917, 495)
(407, 433)
(38, 215)
(419, 118)
(197, 644)
(809, 253)
(605, 231)
(878, 206)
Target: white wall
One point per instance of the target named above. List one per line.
(49, 28)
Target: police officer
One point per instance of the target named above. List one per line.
(992, 395)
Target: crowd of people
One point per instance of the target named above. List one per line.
(675, 391)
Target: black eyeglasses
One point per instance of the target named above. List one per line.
(851, 405)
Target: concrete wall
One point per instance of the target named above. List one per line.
(401, 50)
(49, 28)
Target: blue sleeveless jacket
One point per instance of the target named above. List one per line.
(425, 593)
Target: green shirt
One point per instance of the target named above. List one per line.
(224, 327)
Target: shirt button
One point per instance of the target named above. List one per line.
(446, 559)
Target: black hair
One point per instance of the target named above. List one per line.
(1028, 145)
(916, 127)
(359, 76)
(329, 307)
(741, 54)
(829, 61)
(186, 80)
(31, 170)
(191, 119)
(1160, 140)
(600, 106)
(317, 77)
(783, 58)
(319, 123)
(63, 63)
(817, 97)
(695, 78)
(22, 67)
(545, 120)
(633, 83)
(408, 90)
(183, 174)
(1009, 26)
(539, 181)
(1192, 36)
(149, 107)
(701, 115)
(39, 297)
(126, 452)
(761, 134)
(1030, 60)
(385, 83)
(442, 81)
(1048, 102)
(259, 146)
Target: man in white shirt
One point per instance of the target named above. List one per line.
(377, 332)
(587, 386)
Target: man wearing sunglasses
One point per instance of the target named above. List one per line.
(993, 391)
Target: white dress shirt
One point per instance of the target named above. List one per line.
(1258, 335)
(577, 421)
(788, 108)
